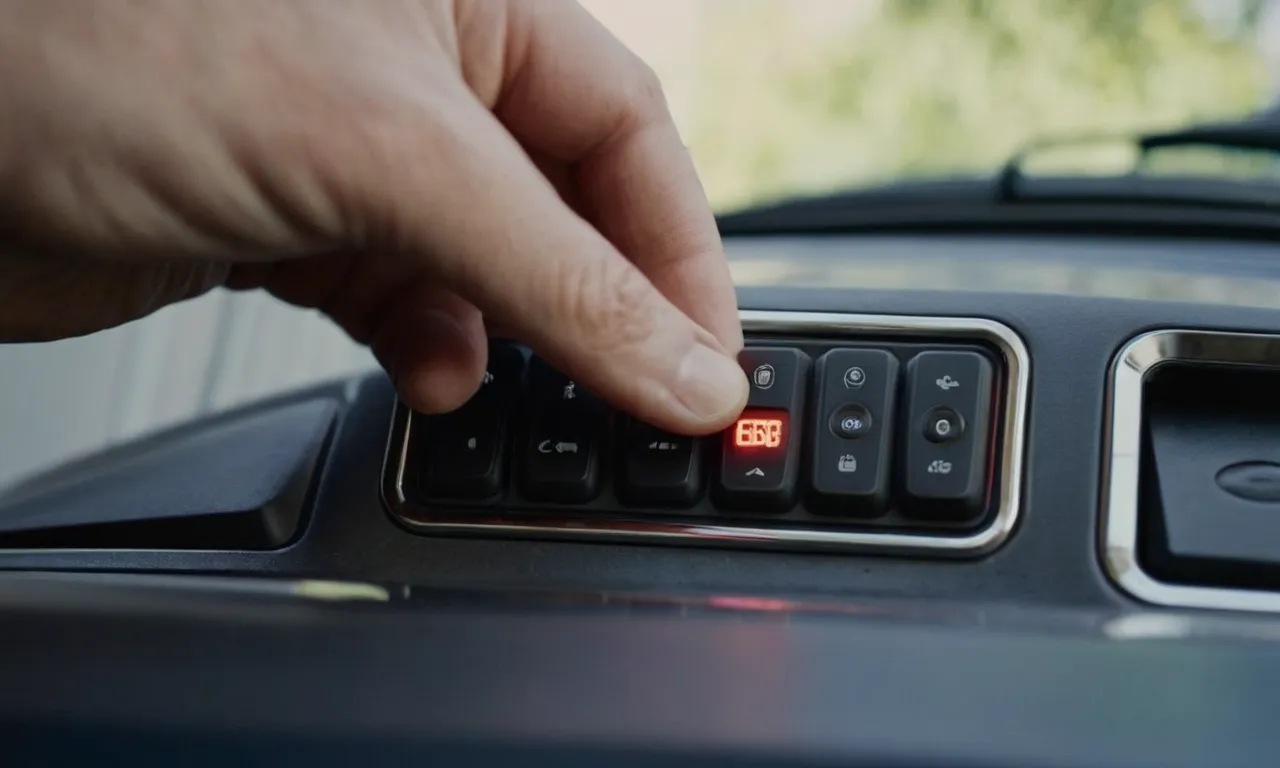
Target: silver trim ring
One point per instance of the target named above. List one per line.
(1118, 534)
(1017, 378)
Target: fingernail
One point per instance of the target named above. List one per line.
(709, 384)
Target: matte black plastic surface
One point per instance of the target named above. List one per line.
(198, 675)
(1204, 424)
(237, 483)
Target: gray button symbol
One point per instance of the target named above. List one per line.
(855, 377)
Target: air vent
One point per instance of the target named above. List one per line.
(1191, 507)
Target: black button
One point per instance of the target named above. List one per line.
(760, 456)
(850, 458)
(946, 477)
(943, 425)
(851, 421)
(565, 441)
(461, 455)
(659, 468)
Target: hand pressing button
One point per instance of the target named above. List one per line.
(760, 458)
(755, 452)
(463, 454)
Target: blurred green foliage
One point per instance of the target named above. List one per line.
(804, 97)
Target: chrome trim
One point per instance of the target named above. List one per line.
(1122, 444)
(1016, 387)
(318, 590)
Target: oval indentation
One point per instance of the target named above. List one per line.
(1252, 480)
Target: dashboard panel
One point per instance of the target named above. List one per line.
(1073, 302)
(1052, 315)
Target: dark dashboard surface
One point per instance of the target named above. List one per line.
(217, 678)
(1029, 655)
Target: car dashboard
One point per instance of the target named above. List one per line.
(996, 499)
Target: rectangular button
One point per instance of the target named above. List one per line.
(462, 455)
(946, 435)
(565, 441)
(851, 435)
(760, 454)
(658, 468)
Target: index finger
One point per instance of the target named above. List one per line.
(571, 91)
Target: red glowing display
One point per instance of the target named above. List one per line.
(757, 433)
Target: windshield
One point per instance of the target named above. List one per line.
(784, 97)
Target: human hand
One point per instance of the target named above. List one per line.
(415, 169)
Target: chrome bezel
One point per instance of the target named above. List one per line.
(1118, 529)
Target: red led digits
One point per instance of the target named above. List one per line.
(755, 432)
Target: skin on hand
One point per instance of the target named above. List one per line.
(425, 172)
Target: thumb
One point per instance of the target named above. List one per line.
(500, 237)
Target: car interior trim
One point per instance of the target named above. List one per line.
(846, 327)
(1120, 498)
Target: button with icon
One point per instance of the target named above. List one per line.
(947, 438)
(658, 468)
(462, 454)
(562, 457)
(851, 442)
(760, 458)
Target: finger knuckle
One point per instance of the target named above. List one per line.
(645, 92)
(611, 305)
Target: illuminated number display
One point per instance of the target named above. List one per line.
(758, 433)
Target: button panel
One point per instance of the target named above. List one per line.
(834, 450)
